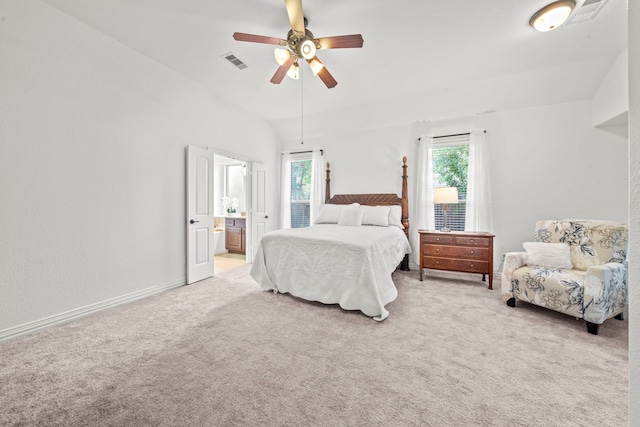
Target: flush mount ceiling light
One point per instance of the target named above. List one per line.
(552, 16)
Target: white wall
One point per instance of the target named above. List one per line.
(546, 162)
(612, 98)
(92, 165)
(634, 180)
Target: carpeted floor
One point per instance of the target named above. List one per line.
(223, 353)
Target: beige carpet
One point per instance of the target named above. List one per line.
(223, 353)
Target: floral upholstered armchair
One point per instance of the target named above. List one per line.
(576, 267)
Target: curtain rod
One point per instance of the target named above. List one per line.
(304, 152)
(452, 135)
(455, 134)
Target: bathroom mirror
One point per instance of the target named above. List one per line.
(235, 176)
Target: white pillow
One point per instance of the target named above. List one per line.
(351, 217)
(330, 214)
(550, 255)
(395, 216)
(375, 215)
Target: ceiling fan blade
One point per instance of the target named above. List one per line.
(337, 42)
(282, 71)
(327, 78)
(244, 37)
(294, 10)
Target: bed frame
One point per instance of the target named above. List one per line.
(376, 199)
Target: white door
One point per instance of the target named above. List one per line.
(259, 214)
(199, 214)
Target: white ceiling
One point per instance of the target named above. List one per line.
(421, 58)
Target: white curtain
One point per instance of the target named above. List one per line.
(422, 214)
(317, 190)
(285, 191)
(478, 214)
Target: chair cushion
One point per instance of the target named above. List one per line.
(556, 289)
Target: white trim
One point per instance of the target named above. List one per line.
(83, 311)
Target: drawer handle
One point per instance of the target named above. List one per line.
(437, 238)
(471, 265)
(472, 240)
(471, 251)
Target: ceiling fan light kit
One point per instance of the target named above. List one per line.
(552, 15)
(315, 65)
(301, 44)
(308, 49)
(294, 71)
(282, 55)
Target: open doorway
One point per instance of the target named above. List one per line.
(230, 206)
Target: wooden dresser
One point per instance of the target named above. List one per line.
(465, 251)
(235, 235)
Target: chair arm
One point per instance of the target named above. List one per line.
(605, 291)
(512, 262)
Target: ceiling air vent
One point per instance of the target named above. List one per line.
(234, 60)
(587, 11)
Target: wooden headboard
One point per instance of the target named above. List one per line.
(380, 199)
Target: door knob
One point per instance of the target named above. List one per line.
(266, 216)
(193, 221)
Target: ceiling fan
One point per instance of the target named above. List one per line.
(301, 44)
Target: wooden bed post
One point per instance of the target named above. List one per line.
(404, 265)
(405, 198)
(327, 194)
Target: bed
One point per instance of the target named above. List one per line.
(347, 257)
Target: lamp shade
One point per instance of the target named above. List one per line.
(282, 55)
(552, 16)
(315, 65)
(443, 195)
(294, 71)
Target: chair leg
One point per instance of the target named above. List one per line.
(511, 302)
(620, 316)
(592, 328)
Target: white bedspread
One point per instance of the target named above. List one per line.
(333, 264)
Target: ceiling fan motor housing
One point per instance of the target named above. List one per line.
(302, 45)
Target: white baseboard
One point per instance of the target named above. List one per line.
(83, 311)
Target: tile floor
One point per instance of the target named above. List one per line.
(226, 261)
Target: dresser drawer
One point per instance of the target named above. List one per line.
(455, 251)
(438, 239)
(473, 241)
(469, 266)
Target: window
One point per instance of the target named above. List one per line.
(300, 188)
(300, 193)
(450, 169)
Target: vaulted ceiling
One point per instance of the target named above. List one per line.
(422, 59)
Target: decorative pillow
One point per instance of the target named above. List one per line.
(330, 214)
(375, 215)
(550, 255)
(351, 217)
(395, 216)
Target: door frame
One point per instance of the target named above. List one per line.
(247, 195)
